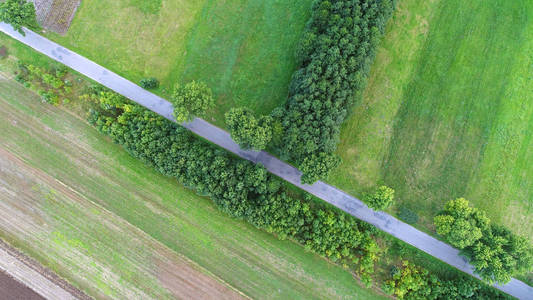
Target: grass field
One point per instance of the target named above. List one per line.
(448, 111)
(105, 180)
(243, 49)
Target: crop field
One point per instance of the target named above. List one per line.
(243, 49)
(82, 194)
(448, 111)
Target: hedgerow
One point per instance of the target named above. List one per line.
(238, 187)
(409, 281)
(334, 55)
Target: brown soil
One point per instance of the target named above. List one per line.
(12, 289)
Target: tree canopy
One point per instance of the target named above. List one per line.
(494, 251)
(382, 198)
(248, 131)
(192, 100)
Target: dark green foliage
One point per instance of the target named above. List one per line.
(149, 83)
(191, 100)
(19, 13)
(407, 215)
(315, 167)
(381, 199)
(495, 252)
(238, 187)
(247, 131)
(335, 54)
(413, 282)
(500, 254)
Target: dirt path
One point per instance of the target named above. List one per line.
(32, 278)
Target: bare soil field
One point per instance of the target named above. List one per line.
(13, 289)
(56, 15)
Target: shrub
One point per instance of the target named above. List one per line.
(149, 83)
(19, 13)
(191, 100)
(247, 131)
(382, 198)
(407, 215)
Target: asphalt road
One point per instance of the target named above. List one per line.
(328, 193)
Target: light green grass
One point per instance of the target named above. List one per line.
(255, 262)
(448, 111)
(243, 49)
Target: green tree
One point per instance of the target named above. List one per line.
(247, 131)
(315, 167)
(408, 279)
(192, 100)
(382, 198)
(19, 13)
(460, 224)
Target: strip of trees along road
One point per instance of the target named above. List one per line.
(328, 193)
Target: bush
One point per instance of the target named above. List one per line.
(382, 198)
(191, 100)
(149, 83)
(335, 54)
(19, 13)
(247, 131)
(407, 215)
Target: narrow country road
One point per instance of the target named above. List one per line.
(342, 200)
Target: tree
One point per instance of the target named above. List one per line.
(191, 100)
(381, 199)
(19, 13)
(409, 279)
(460, 224)
(315, 167)
(247, 131)
(149, 83)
